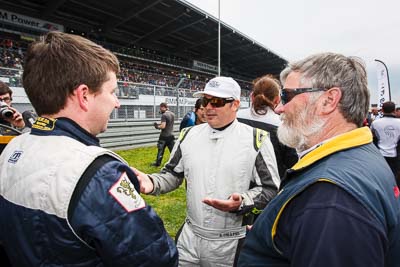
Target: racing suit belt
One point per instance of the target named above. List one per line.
(216, 234)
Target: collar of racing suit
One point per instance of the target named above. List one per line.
(63, 127)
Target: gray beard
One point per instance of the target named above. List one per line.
(298, 136)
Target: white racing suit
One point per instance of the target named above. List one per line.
(238, 159)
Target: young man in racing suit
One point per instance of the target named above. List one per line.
(65, 201)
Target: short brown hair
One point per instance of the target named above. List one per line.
(265, 89)
(388, 107)
(4, 89)
(57, 64)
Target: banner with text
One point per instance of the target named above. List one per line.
(29, 22)
(204, 66)
(383, 83)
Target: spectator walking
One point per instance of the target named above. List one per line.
(167, 138)
(339, 205)
(65, 201)
(230, 170)
(264, 98)
(386, 133)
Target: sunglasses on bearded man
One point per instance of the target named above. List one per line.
(288, 94)
(216, 102)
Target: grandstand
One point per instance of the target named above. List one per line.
(160, 44)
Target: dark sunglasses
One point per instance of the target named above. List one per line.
(288, 94)
(216, 102)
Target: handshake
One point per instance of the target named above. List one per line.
(155, 125)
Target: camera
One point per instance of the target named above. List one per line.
(5, 111)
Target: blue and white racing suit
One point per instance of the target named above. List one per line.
(65, 201)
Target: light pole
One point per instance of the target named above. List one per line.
(219, 37)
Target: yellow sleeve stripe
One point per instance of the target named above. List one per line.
(6, 139)
(260, 136)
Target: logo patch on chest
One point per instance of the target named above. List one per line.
(126, 195)
(15, 156)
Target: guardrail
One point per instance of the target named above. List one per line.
(125, 134)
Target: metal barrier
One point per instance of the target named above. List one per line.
(137, 100)
(125, 134)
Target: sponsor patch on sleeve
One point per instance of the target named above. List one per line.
(125, 194)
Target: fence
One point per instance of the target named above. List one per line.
(137, 100)
(141, 101)
(123, 134)
(131, 125)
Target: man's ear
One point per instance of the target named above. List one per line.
(81, 93)
(236, 104)
(331, 99)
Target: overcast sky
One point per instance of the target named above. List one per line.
(295, 29)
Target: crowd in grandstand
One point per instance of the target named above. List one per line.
(11, 54)
(132, 70)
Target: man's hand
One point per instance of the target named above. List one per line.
(16, 120)
(233, 203)
(155, 125)
(146, 185)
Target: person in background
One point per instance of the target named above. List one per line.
(264, 98)
(339, 204)
(397, 112)
(230, 170)
(386, 133)
(13, 118)
(193, 117)
(77, 204)
(167, 138)
(371, 116)
(374, 114)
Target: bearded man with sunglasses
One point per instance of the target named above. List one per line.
(230, 170)
(339, 204)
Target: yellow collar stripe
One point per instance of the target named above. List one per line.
(357, 137)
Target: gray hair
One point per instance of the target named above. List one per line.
(327, 70)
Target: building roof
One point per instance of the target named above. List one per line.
(171, 27)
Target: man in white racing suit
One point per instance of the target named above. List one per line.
(230, 170)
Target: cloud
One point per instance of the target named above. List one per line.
(296, 29)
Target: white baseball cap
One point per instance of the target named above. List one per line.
(223, 87)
